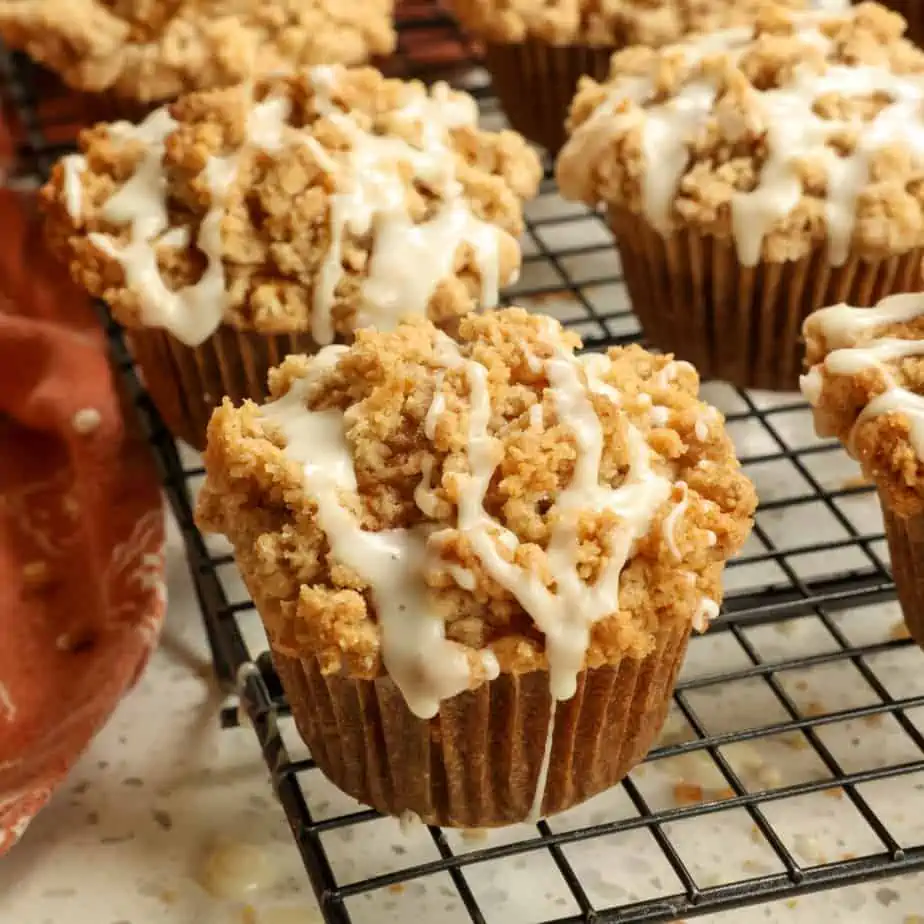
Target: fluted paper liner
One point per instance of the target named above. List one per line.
(536, 82)
(476, 764)
(741, 324)
(188, 383)
(906, 549)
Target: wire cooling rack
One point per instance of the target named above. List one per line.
(794, 747)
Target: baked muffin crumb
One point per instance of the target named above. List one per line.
(617, 23)
(866, 387)
(802, 130)
(156, 51)
(528, 508)
(318, 202)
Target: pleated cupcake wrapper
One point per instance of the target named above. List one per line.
(906, 549)
(188, 383)
(476, 764)
(536, 82)
(913, 11)
(736, 323)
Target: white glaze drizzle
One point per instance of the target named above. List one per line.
(669, 524)
(706, 611)
(408, 261)
(192, 313)
(437, 406)
(794, 133)
(542, 779)
(73, 165)
(847, 330)
(424, 664)
(659, 415)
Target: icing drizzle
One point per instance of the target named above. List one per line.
(408, 259)
(794, 134)
(846, 331)
(425, 665)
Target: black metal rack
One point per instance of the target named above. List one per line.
(804, 605)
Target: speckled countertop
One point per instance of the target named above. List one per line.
(134, 833)
(168, 818)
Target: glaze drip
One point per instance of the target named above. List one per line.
(848, 331)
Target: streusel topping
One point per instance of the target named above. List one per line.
(614, 23)
(158, 50)
(319, 202)
(866, 386)
(806, 129)
(443, 509)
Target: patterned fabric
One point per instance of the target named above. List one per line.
(81, 527)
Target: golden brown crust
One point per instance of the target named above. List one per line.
(157, 50)
(385, 383)
(727, 149)
(605, 24)
(276, 226)
(882, 443)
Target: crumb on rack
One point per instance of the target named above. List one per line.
(899, 631)
(688, 793)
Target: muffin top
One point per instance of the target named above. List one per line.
(157, 50)
(440, 510)
(311, 203)
(807, 128)
(614, 23)
(866, 386)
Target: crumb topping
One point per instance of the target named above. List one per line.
(318, 202)
(806, 129)
(158, 50)
(442, 509)
(866, 387)
(615, 23)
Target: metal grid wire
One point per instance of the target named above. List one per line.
(796, 731)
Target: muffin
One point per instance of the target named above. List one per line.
(148, 51)
(478, 560)
(866, 387)
(536, 53)
(243, 224)
(753, 176)
(912, 12)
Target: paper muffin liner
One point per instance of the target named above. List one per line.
(906, 549)
(741, 324)
(477, 763)
(913, 12)
(535, 83)
(188, 383)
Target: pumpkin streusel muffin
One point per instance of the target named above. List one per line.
(156, 51)
(866, 387)
(753, 176)
(537, 52)
(478, 560)
(240, 225)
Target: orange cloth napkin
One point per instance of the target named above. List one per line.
(81, 526)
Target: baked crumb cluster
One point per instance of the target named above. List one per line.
(157, 50)
(316, 202)
(805, 129)
(530, 490)
(866, 386)
(592, 22)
